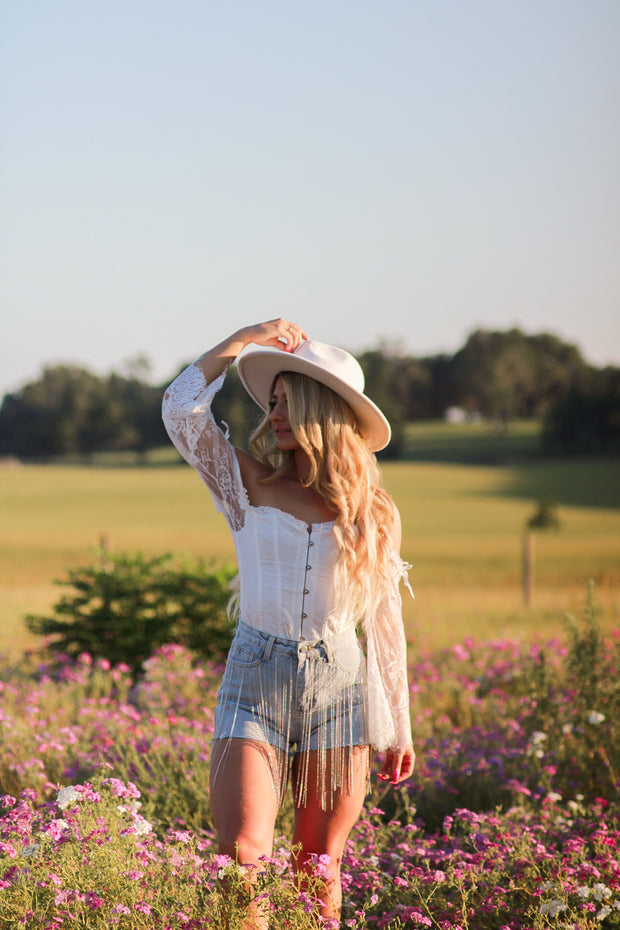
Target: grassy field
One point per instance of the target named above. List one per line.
(472, 442)
(463, 528)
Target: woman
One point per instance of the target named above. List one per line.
(317, 543)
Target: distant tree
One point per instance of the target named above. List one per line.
(383, 385)
(502, 375)
(412, 386)
(505, 375)
(135, 409)
(559, 367)
(437, 391)
(70, 411)
(545, 517)
(587, 418)
(45, 418)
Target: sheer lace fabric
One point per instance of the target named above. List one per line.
(286, 567)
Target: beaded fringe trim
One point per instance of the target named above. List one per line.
(325, 698)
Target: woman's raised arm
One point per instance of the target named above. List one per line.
(280, 334)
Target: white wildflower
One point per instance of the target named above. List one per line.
(67, 796)
(131, 807)
(604, 911)
(231, 868)
(28, 851)
(601, 892)
(537, 740)
(142, 826)
(595, 718)
(583, 892)
(553, 908)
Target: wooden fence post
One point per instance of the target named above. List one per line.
(527, 567)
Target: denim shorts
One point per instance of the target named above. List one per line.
(293, 695)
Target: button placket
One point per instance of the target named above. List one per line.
(306, 589)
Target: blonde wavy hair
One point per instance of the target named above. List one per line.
(345, 473)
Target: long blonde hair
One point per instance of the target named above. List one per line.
(345, 473)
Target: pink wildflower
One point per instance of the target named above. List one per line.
(56, 828)
(320, 864)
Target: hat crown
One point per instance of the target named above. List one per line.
(333, 360)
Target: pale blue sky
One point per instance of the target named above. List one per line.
(405, 171)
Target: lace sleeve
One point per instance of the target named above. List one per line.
(187, 415)
(388, 688)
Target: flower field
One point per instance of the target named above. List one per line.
(511, 820)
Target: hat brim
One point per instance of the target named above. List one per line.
(258, 369)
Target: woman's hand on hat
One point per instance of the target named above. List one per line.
(279, 334)
(398, 765)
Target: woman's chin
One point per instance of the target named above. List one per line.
(286, 442)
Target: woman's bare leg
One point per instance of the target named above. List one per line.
(244, 802)
(325, 831)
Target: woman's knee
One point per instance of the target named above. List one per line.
(245, 848)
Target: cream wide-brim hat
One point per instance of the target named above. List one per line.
(333, 367)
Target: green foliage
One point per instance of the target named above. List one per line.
(573, 713)
(70, 410)
(511, 375)
(586, 419)
(388, 389)
(552, 710)
(125, 606)
(545, 516)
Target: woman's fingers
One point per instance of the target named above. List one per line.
(398, 765)
(297, 336)
(279, 333)
(293, 336)
(389, 766)
(407, 763)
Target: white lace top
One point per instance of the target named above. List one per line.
(286, 566)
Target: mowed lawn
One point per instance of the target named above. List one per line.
(462, 532)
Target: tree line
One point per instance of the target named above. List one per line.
(499, 376)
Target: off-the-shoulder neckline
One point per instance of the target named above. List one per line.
(267, 508)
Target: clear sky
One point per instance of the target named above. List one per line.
(393, 170)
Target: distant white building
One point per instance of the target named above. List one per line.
(460, 415)
(455, 415)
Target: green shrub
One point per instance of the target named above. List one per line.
(126, 606)
(584, 740)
